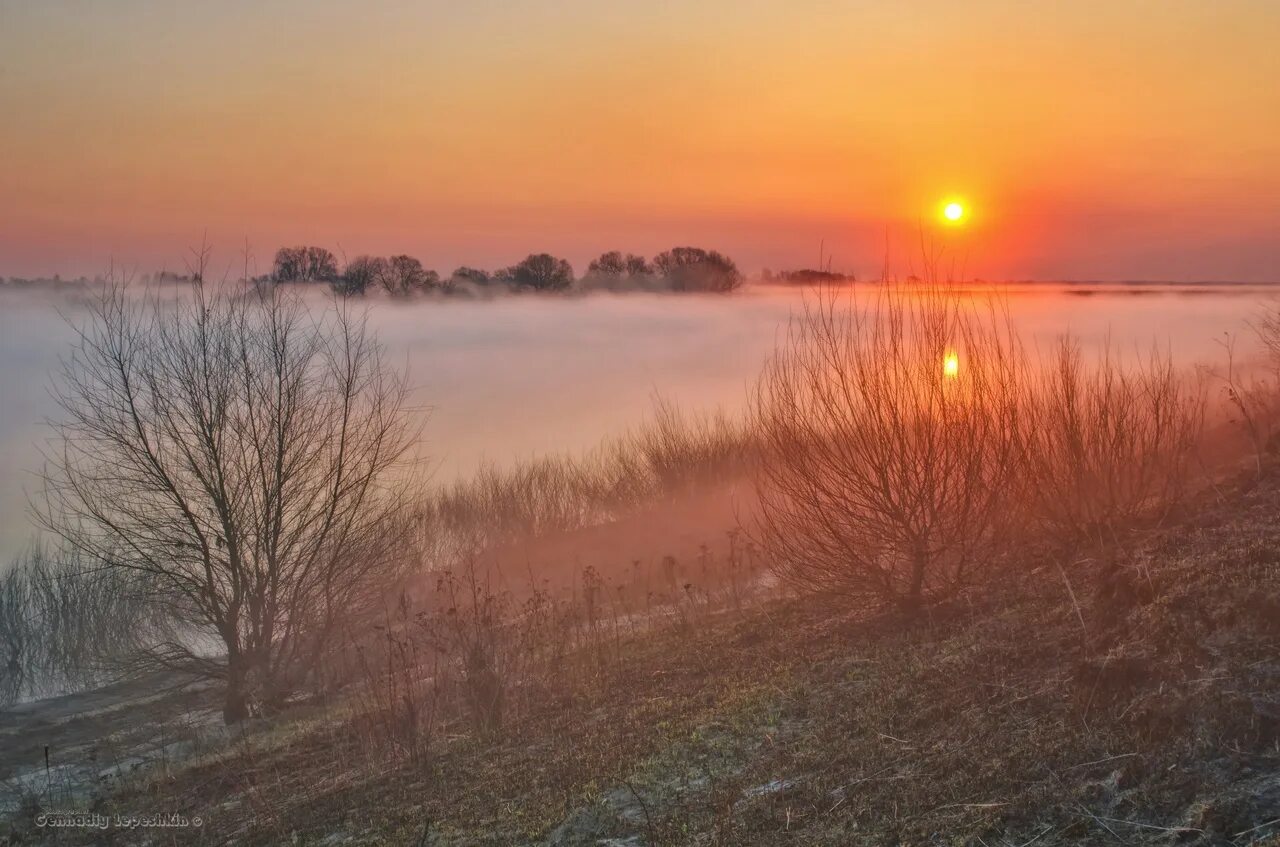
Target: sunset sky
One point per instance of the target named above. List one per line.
(1092, 140)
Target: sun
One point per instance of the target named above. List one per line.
(953, 211)
(951, 364)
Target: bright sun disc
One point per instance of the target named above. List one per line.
(951, 364)
(953, 212)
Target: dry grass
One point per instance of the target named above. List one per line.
(65, 624)
(674, 454)
(991, 722)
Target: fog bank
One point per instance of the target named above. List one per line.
(515, 377)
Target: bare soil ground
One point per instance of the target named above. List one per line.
(1133, 701)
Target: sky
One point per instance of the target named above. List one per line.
(1129, 139)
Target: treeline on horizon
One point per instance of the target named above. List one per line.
(686, 269)
(680, 269)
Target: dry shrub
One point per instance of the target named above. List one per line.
(881, 472)
(475, 633)
(1267, 328)
(426, 665)
(500, 655)
(1110, 443)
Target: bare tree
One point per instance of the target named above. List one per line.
(614, 264)
(245, 456)
(543, 272)
(304, 264)
(615, 271)
(399, 276)
(892, 439)
(608, 265)
(638, 266)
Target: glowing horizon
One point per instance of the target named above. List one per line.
(1092, 146)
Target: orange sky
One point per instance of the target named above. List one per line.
(1094, 140)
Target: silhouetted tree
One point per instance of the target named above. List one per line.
(543, 272)
(637, 266)
(469, 276)
(695, 269)
(304, 264)
(404, 275)
(613, 266)
(610, 264)
(361, 273)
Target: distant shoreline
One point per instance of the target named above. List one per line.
(80, 282)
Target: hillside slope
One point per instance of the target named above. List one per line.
(1127, 703)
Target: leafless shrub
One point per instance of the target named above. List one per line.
(1110, 443)
(491, 654)
(248, 459)
(891, 441)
